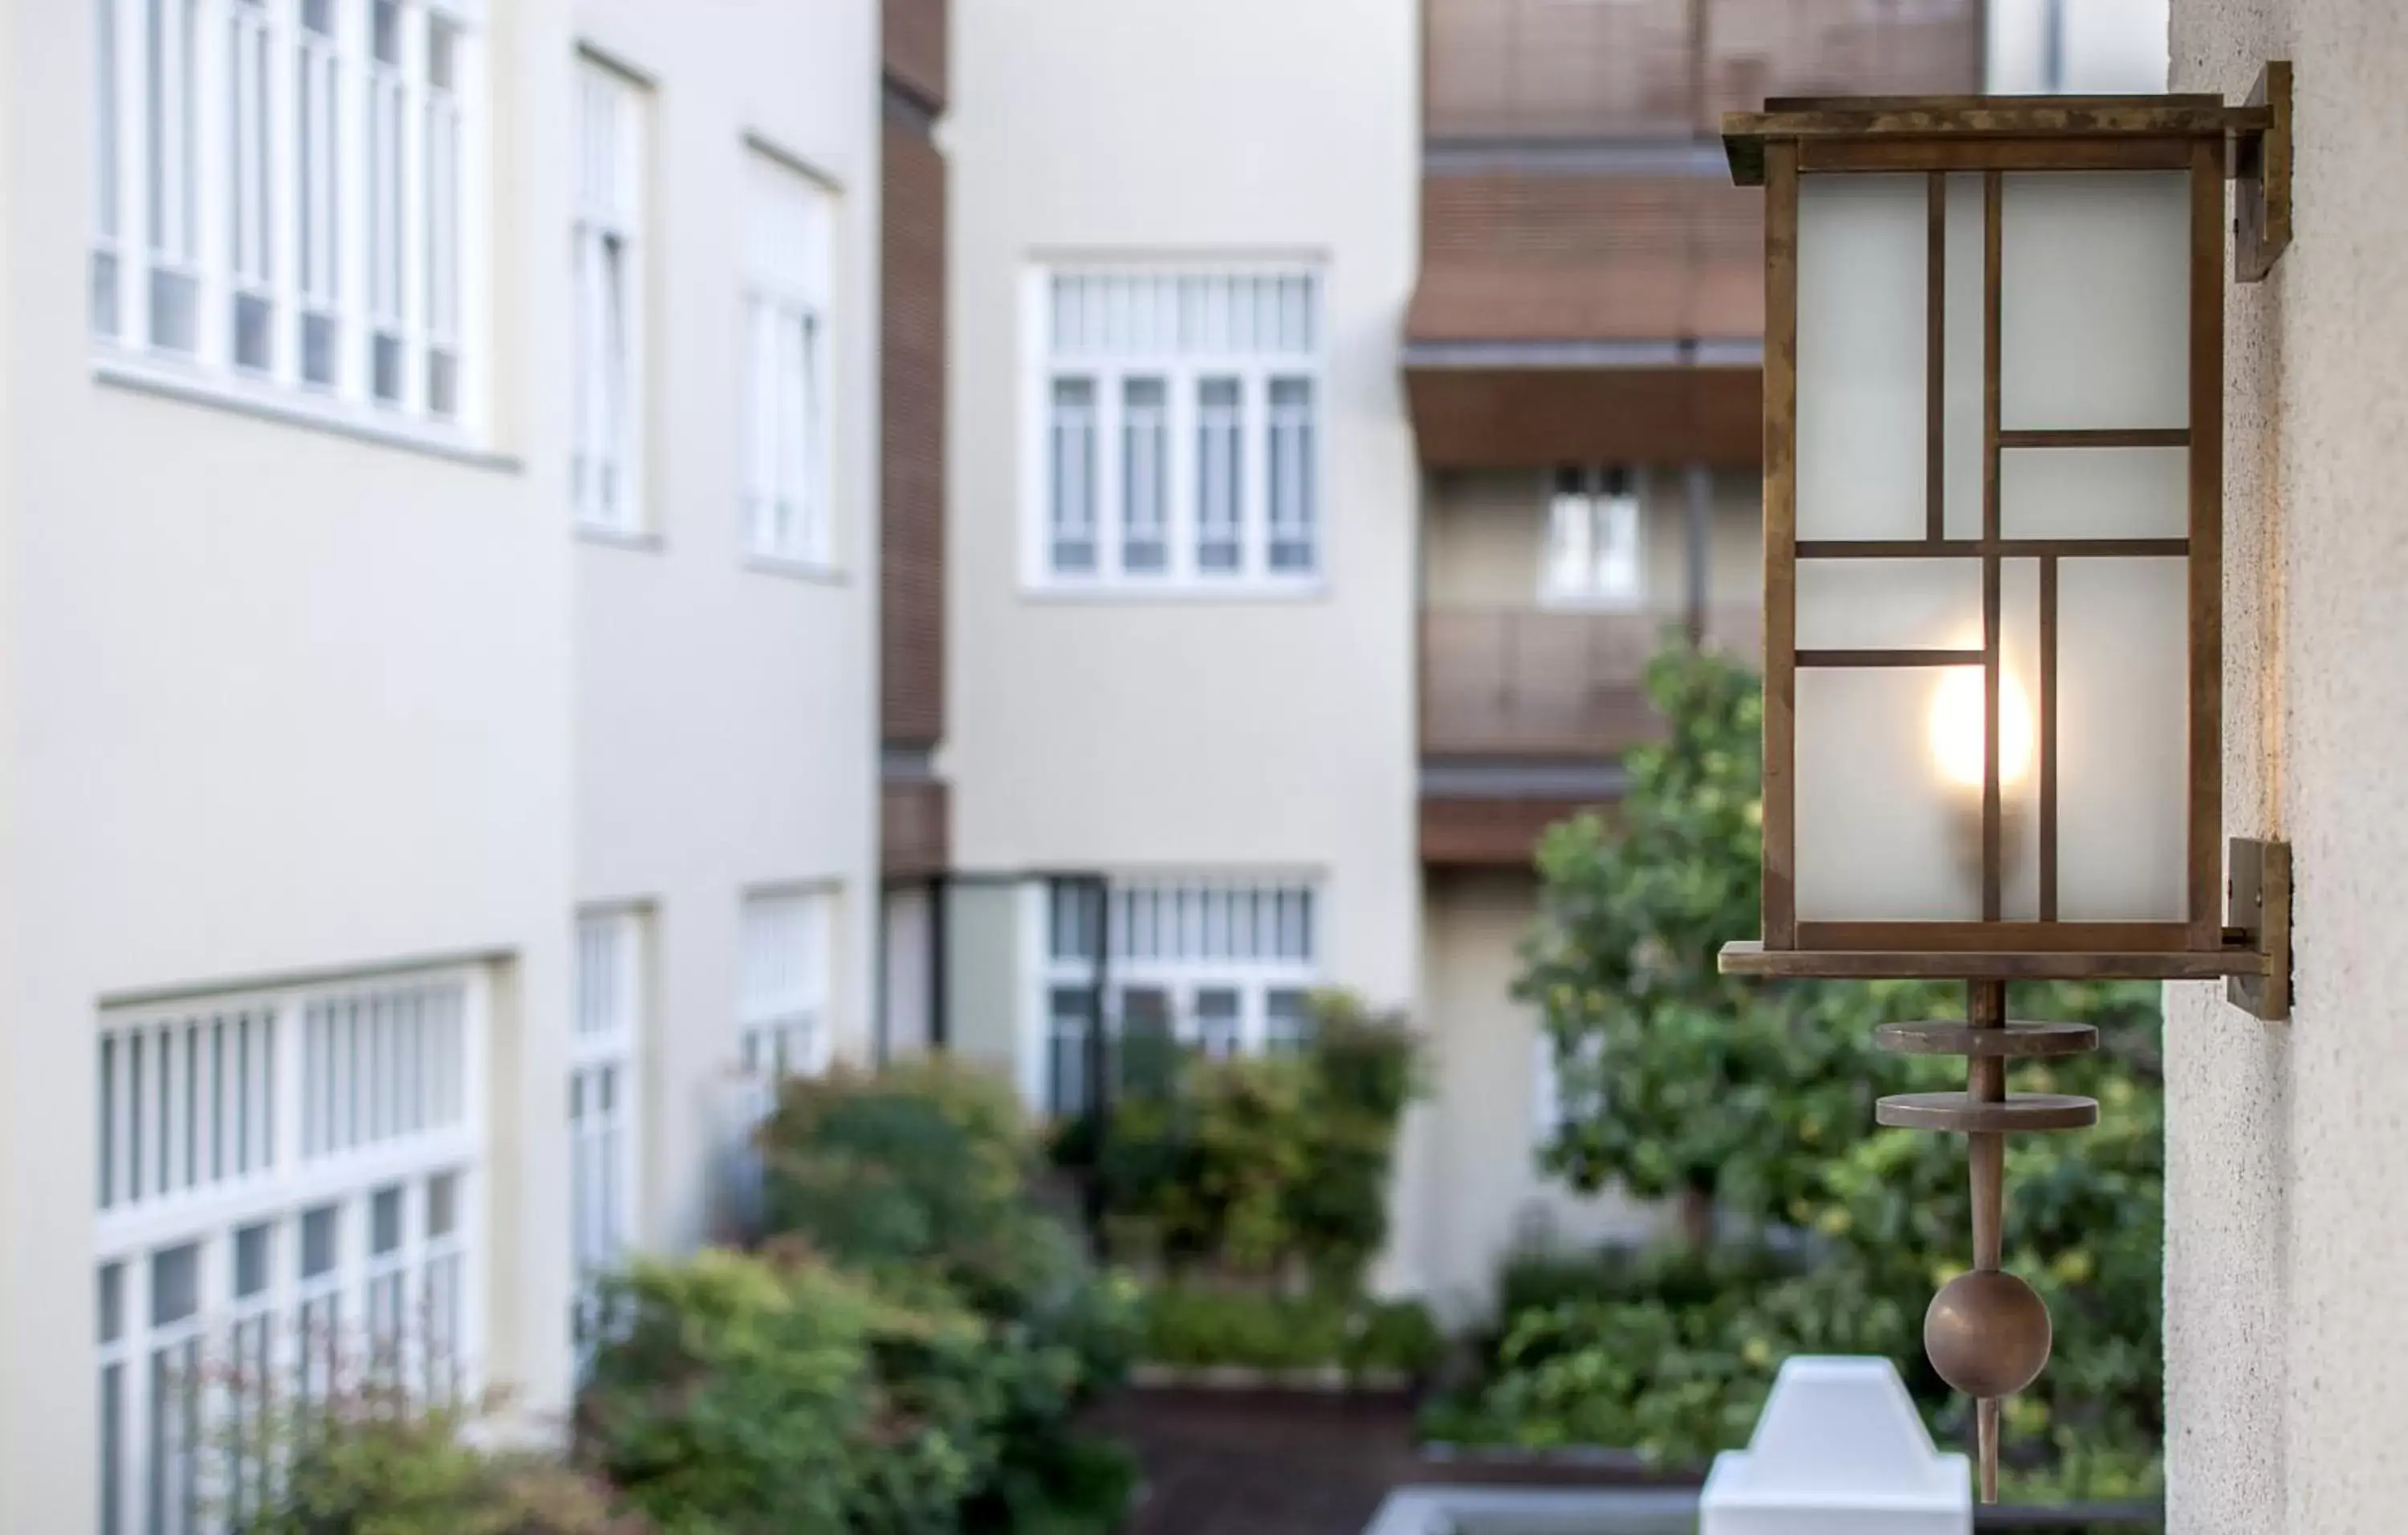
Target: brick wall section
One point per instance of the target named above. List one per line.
(911, 618)
(915, 45)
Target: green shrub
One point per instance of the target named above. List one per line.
(1193, 1327)
(1257, 1167)
(917, 1169)
(1394, 1336)
(1673, 1384)
(922, 1178)
(372, 1463)
(738, 1393)
(1675, 1275)
(1199, 1328)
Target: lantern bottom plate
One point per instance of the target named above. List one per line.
(2016, 1112)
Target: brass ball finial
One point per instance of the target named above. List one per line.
(1988, 1333)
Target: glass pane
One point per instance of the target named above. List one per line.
(1292, 511)
(1964, 300)
(103, 294)
(253, 330)
(112, 1303)
(1220, 464)
(1288, 1020)
(1887, 828)
(319, 1231)
(388, 367)
(1148, 1046)
(251, 1260)
(2123, 739)
(1852, 605)
(1861, 332)
(442, 1204)
(2094, 492)
(1145, 469)
(318, 349)
(112, 1450)
(1217, 1021)
(1069, 1023)
(175, 1284)
(2094, 295)
(173, 297)
(1074, 475)
(384, 1221)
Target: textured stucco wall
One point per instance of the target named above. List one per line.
(2287, 1216)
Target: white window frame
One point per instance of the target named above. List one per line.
(230, 151)
(1589, 510)
(789, 480)
(1257, 324)
(610, 140)
(785, 961)
(1181, 939)
(606, 1096)
(225, 1113)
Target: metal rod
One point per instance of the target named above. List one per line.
(1985, 1414)
(1986, 1082)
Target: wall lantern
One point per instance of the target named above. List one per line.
(1993, 470)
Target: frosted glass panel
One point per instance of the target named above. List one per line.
(1913, 605)
(2095, 287)
(1962, 306)
(2122, 675)
(1861, 243)
(1882, 833)
(2094, 492)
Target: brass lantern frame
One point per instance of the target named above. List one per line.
(1794, 137)
(1987, 1332)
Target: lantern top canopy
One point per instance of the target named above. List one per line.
(2059, 133)
(1993, 461)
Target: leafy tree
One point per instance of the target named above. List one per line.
(1755, 1100)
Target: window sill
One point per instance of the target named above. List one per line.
(1299, 590)
(292, 406)
(635, 540)
(811, 572)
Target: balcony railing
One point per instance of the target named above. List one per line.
(1535, 683)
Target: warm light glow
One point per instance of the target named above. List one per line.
(1956, 735)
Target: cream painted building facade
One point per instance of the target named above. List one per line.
(1182, 489)
(438, 550)
(727, 635)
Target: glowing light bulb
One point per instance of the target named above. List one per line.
(1956, 735)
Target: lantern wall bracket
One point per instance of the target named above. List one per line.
(2259, 918)
(2261, 174)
